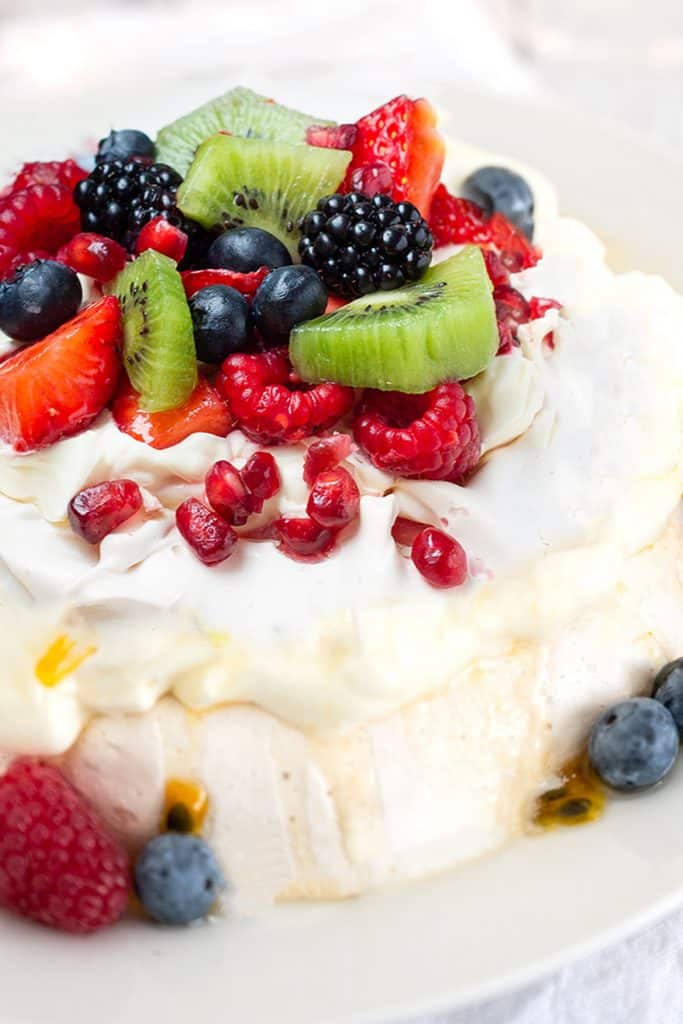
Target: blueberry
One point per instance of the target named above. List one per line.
(633, 744)
(177, 878)
(668, 690)
(288, 296)
(499, 190)
(123, 145)
(247, 249)
(38, 299)
(219, 319)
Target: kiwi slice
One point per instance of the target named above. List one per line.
(158, 342)
(237, 182)
(441, 328)
(240, 112)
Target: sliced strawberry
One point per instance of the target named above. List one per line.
(38, 217)
(205, 412)
(456, 221)
(55, 388)
(247, 284)
(335, 302)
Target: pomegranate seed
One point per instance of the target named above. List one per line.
(335, 499)
(227, 494)
(404, 531)
(209, 536)
(372, 179)
(97, 510)
(496, 268)
(165, 238)
(439, 558)
(511, 306)
(94, 255)
(326, 454)
(302, 539)
(262, 479)
(539, 307)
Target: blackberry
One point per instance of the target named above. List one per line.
(360, 244)
(119, 197)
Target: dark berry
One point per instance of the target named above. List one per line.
(124, 144)
(287, 297)
(38, 299)
(360, 244)
(219, 318)
(634, 744)
(668, 690)
(177, 878)
(247, 249)
(499, 190)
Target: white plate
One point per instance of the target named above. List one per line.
(450, 940)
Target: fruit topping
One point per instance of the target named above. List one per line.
(668, 690)
(66, 173)
(219, 319)
(407, 340)
(58, 386)
(399, 138)
(58, 865)
(38, 218)
(177, 878)
(633, 744)
(158, 343)
(94, 255)
(439, 558)
(262, 479)
(227, 494)
(287, 297)
(210, 537)
(433, 436)
(38, 299)
(512, 309)
(500, 190)
(360, 244)
(271, 406)
(164, 237)
(60, 659)
(405, 531)
(205, 412)
(124, 145)
(539, 307)
(236, 183)
(238, 112)
(334, 500)
(98, 510)
(326, 454)
(302, 539)
(245, 284)
(246, 250)
(186, 804)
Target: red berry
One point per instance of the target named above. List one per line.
(325, 454)
(334, 500)
(226, 493)
(302, 539)
(246, 284)
(456, 221)
(94, 255)
(434, 436)
(97, 510)
(209, 536)
(271, 406)
(262, 478)
(163, 237)
(495, 267)
(439, 558)
(372, 180)
(512, 309)
(39, 217)
(54, 172)
(58, 865)
(204, 412)
(516, 251)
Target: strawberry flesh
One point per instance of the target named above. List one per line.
(204, 412)
(246, 284)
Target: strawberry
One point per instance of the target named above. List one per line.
(247, 284)
(55, 388)
(456, 221)
(204, 412)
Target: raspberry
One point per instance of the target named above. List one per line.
(262, 479)
(439, 558)
(227, 494)
(54, 172)
(58, 866)
(40, 217)
(209, 536)
(334, 500)
(326, 454)
(455, 221)
(163, 237)
(434, 436)
(271, 406)
(97, 510)
(94, 255)
(303, 539)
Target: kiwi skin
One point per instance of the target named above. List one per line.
(158, 341)
(412, 339)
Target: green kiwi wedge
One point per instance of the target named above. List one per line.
(239, 112)
(441, 328)
(237, 182)
(158, 341)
